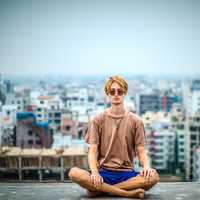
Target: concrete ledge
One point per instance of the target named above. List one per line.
(71, 191)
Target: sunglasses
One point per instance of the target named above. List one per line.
(116, 91)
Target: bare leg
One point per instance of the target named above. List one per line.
(139, 182)
(82, 178)
(135, 183)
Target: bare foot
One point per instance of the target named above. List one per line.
(137, 193)
(93, 193)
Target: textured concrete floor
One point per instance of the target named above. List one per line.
(66, 191)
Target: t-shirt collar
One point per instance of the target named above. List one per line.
(116, 116)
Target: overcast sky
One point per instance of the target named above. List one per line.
(91, 37)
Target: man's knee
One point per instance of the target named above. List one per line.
(73, 172)
(154, 179)
(155, 176)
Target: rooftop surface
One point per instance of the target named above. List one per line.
(71, 191)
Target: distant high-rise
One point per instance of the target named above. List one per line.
(30, 133)
(149, 102)
(191, 97)
(8, 86)
(196, 165)
(192, 142)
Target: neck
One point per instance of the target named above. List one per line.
(117, 109)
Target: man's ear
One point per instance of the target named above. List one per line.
(107, 98)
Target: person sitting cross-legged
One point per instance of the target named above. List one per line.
(115, 136)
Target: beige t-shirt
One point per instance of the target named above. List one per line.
(117, 138)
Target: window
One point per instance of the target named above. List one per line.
(38, 142)
(159, 164)
(30, 142)
(165, 127)
(170, 143)
(90, 99)
(180, 126)
(193, 128)
(51, 131)
(193, 137)
(57, 114)
(159, 137)
(30, 132)
(158, 157)
(181, 150)
(57, 121)
(159, 143)
(192, 145)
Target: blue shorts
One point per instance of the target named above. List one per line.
(114, 177)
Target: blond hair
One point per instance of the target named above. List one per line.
(121, 81)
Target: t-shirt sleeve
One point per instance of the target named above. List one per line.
(140, 137)
(92, 133)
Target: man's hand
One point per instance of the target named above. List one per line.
(146, 172)
(96, 179)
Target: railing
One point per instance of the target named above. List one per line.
(41, 162)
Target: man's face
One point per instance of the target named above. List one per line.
(116, 94)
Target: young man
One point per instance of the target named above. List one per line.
(115, 136)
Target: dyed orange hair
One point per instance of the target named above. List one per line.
(122, 82)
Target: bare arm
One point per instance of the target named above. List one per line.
(146, 171)
(92, 160)
(143, 158)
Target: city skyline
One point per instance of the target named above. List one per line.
(99, 37)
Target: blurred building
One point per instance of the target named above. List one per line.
(166, 141)
(156, 102)
(148, 102)
(167, 101)
(192, 142)
(68, 125)
(196, 165)
(30, 133)
(162, 150)
(191, 97)
(8, 125)
(22, 102)
(178, 121)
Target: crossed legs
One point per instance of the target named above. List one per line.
(140, 182)
(133, 187)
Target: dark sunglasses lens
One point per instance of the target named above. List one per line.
(112, 92)
(120, 92)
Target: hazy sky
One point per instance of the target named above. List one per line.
(87, 37)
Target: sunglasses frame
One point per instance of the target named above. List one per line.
(119, 92)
